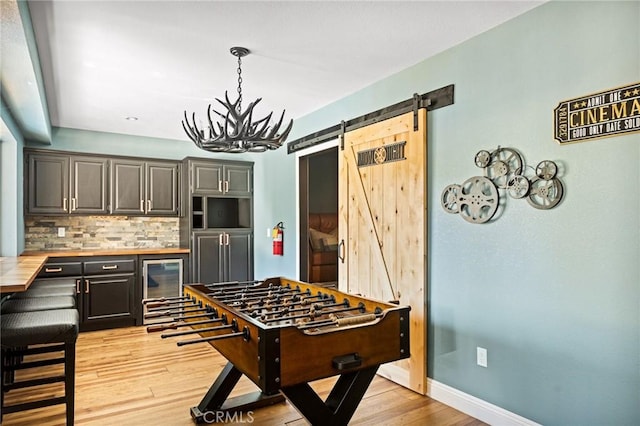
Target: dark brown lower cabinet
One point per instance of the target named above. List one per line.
(106, 291)
(222, 255)
(108, 301)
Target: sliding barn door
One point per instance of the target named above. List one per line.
(382, 225)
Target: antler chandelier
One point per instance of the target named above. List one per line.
(235, 131)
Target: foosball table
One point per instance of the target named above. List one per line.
(283, 334)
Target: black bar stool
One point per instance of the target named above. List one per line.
(48, 284)
(40, 332)
(30, 304)
(45, 292)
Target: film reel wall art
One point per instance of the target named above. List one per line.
(478, 198)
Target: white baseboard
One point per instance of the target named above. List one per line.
(475, 407)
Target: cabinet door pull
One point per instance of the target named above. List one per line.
(226, 186)
(341, 251)
(142, 206)
(220, 237)
(226, 239)
(59, 269)
(86, 286)
(64, 204)
(148, 206)
(219, 186)
(108, 267)
(77, 286)
(73, 204)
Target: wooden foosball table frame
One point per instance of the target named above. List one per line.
(283, 334)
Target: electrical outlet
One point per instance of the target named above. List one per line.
(481, 356)
(61, 232)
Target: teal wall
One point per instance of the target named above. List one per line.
(554, 296)
(11, 199)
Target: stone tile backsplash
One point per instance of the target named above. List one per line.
(100, 232)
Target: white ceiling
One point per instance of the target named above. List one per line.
(103, 61)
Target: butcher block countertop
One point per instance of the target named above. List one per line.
(17, 273)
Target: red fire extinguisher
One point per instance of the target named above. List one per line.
(278, 244)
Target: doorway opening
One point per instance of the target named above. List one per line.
(319, 217)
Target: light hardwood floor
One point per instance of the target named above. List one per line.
(129, 377)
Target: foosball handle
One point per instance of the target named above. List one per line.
(158, 314)
(157, 304)
(162, 327)
(164, 299)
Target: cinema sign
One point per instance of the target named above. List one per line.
(608, 113)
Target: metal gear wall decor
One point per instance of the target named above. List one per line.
(478, 198)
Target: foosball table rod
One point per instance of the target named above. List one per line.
(158, 306)
(165, 299)
(227, 284)
(244, 334)
(312, 314)
(177, 324)
(198, 330)
(252, 295)
(170, 312)
(186, 317)
(306, 305)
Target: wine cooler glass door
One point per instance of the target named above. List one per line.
(161, 278)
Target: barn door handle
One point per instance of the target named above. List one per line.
(341, 251)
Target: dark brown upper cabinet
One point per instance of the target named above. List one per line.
(61, 183)
(144, 187)
(89, 185)
(66, 184)
(222, 179)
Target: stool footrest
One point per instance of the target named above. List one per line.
(38, 350)
(33, 364)
(33, 382)
(35, 404)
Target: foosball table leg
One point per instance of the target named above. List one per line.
(217, 397)
(341, 403)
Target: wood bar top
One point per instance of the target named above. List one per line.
(17, 273)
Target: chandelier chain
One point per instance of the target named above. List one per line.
(239, 83)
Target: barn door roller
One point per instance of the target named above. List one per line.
(416, 106)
